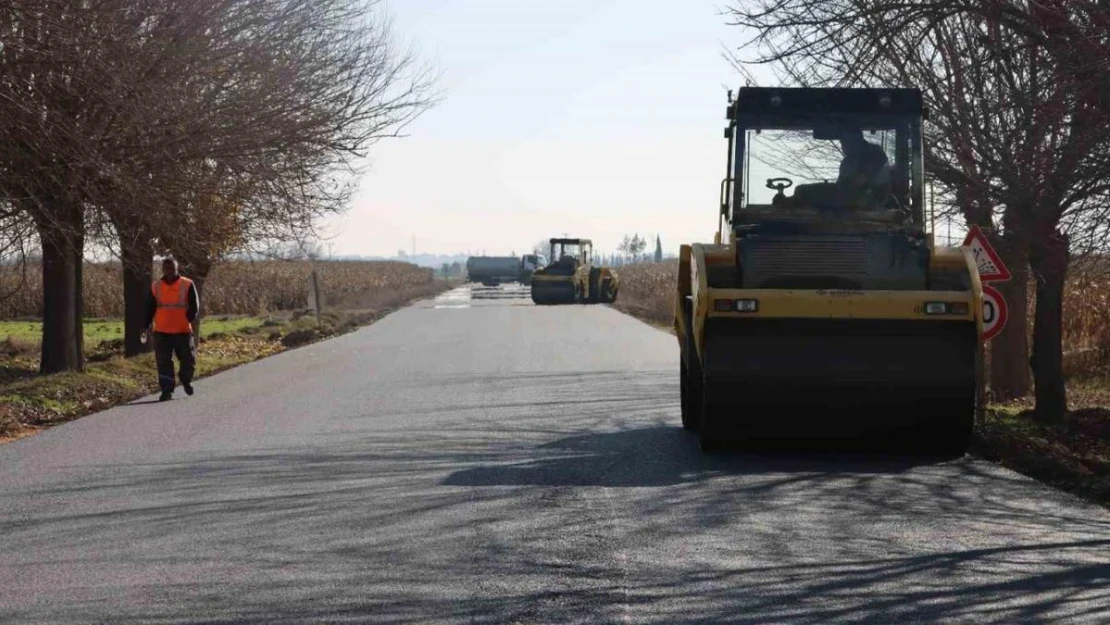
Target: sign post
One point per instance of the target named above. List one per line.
(314, 302)
(995, 313)
(991, 269)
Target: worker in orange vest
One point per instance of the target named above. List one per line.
(172, 306)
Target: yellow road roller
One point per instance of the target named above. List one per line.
(824, 307)
(571, 277)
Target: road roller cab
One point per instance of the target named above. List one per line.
(571, 277)
(823, 303)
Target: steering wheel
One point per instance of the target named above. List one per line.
(779, 184)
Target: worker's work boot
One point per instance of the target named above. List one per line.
(188, 388)
(165, 396)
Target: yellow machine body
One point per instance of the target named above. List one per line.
(571, 277)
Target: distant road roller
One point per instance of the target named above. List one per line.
(572, 278)
(829, 311)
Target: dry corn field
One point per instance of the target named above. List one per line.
(240, 287)
(647, 290)
(1086, 309)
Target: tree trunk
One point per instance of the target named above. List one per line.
(1010, 374)
(63, 340)
(138, 261)
(1049, 260)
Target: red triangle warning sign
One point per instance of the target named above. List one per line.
(991, 267)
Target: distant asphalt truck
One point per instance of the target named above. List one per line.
(495, 270)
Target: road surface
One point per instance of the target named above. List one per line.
(482, 460)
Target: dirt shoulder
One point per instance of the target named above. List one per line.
(1073, 456)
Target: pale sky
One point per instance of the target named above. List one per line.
(593, 118)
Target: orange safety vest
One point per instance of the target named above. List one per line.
(173, 305)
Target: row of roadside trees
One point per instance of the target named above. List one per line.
(1018, 139)
(198, 128)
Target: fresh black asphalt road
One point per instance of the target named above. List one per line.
(483, 460)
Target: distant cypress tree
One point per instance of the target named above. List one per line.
(658, 249)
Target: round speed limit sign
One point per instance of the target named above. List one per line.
(995, 312)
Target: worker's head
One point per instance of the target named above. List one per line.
(169, 268)
(851, 139)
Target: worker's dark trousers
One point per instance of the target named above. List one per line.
(165, 346)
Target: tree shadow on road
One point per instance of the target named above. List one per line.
(664, 455)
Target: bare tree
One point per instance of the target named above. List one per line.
(50, 65)
(1016, 133)
(334, 85)
(542, 248)
(196, 126)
